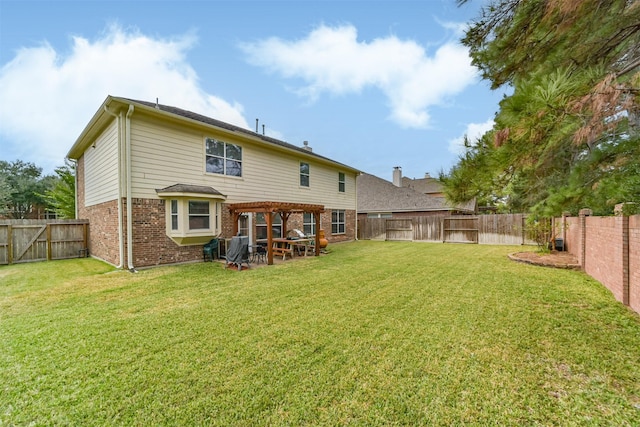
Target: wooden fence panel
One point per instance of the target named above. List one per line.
(428, 228)
(5, 248)
(372, 229)
(460, 229)
(498, 229)
(67, 240)
(40, 240)
(399, 229)
(503, 229)
(29, 243)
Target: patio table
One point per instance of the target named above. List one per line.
(284, 247)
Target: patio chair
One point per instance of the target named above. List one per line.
(238, 252)
(259, 254)
(210, 250)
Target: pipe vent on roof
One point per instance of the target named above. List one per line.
(306, 146)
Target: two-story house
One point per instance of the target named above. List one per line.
(157, 182)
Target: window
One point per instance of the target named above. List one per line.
(174, 214)
(261, 226)
(380, 215)
(304, 174)
(337, 222)
(341, 182)
(191, 213)
(309, 224)
(223, 158)
(198, 215)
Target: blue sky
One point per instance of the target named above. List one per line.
(372, 84)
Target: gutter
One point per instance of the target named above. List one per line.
(120, 237)
(127, 142)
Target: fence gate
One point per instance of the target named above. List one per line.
(399, 229)
(460, 229)
(40, 240)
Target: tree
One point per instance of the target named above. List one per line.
(61, 197)
(569, 133)
(26, 187)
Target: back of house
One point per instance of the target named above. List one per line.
(156, 181)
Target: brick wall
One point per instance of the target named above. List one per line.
(608, 249)
(296, 221)
(103, 223)
(603, 252)
(151, 245)
(572, 236)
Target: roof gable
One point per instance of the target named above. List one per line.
(423, 185)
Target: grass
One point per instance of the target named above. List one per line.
(375, 333)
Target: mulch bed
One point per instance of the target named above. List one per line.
(551, 259)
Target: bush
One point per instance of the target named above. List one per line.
(541, 231)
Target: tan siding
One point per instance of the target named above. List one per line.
(165, 154)
(101, 185)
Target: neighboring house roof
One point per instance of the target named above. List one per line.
(377, 195)
(425, 185)
(102, 117)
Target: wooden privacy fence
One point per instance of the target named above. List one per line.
(25, 240)
(499, 229)
(460, 229)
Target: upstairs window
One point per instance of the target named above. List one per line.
(223, 158)
(304, 174)
(341, 182)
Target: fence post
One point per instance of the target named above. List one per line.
(48, 241)
(584, 213)
(10, 243)
(625, 252)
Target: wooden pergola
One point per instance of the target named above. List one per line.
(272, 208)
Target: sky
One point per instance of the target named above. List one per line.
(371, 84)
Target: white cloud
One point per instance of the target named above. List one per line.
(333, 60)
(458, 28)
(48, 98)
(473, 132)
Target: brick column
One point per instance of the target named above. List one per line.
(625, 252)
(584, 213)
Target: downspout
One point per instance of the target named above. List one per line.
(127, 141)
(120, 236)
(75, 190)
(356, 185)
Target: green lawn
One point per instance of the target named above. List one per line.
(374, 333)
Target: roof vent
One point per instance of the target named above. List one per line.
(157, 105)
(306, 146)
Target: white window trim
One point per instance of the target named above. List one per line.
(300, 175)
(183, 235)
(343, 182)
(344, 222)
(312, 223)
(224, 159)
